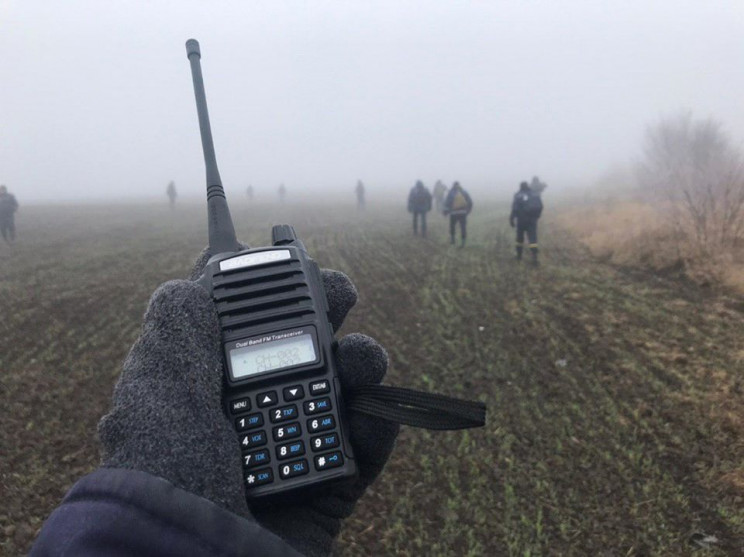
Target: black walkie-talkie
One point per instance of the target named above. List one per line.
(282, 391)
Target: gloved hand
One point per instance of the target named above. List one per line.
(167, 417)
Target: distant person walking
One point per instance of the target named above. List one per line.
(359, 190)
(458, 206)
(8, 207)
(282, 193)
(526, 210)
(249, 192)
(172, 194)
(440, 192)
(419, 203)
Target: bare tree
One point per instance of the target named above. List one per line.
(692, 165)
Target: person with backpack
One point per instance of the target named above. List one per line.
(419, 203)
(458, 206)
(8, 207)
(526, 210)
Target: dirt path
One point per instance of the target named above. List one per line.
(615, 423)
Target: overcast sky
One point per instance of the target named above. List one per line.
(96, 98)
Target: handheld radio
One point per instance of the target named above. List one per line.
(282, 391)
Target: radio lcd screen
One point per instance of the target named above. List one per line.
(270, 355)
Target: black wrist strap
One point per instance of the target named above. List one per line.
(416, 408)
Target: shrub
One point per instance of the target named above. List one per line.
(692, 171)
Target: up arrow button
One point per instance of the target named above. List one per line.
(269, 398)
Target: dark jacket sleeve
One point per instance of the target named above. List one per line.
(540, 207)
(116, 513)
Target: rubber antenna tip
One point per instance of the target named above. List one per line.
(192, 47)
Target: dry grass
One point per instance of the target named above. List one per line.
(635, 234)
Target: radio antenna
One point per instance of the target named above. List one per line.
(221, 230)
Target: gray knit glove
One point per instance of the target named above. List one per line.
(167, 417)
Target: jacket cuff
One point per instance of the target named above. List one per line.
(118, 512)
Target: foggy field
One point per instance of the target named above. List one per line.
(614, 398)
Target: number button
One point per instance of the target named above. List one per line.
(320, 387)
(289, 431)
(259, 477)
(284, 413)
(292, 469)
(290, 450)
(268, 398)
(240, 405)
(249, 422)
(323, 442)
(293, 393)
(330, 460)
(317, 406)
(321, 424)
(256, 458)
(250, 440)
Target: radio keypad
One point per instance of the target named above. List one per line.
(287, 444)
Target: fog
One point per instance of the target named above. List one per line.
(97, 103)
